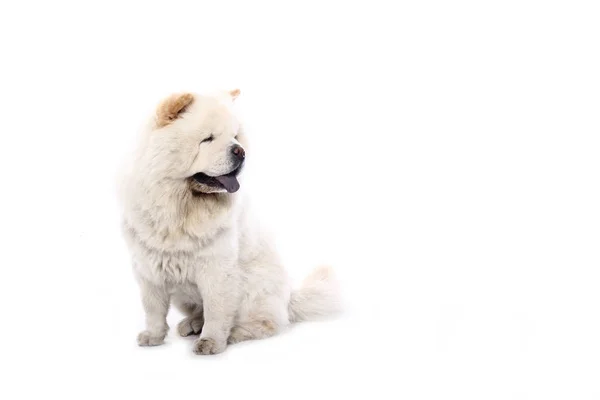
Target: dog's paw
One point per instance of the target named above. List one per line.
(190, 325)
(208, 346)
(145, 338)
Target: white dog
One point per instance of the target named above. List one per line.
(192, 238)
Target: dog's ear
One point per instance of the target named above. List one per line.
(234, 93)
(171, 108)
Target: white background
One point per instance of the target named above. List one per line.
(443, 156)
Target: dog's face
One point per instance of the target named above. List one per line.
(199, 140)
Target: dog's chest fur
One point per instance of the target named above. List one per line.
(173, 234)
(173, 257)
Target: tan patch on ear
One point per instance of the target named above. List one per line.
(235, 93)
(171, 107)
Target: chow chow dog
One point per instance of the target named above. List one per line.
(193, 240)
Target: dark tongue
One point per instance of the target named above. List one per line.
(230, 182)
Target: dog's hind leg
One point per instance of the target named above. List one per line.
(194, 320)
(262, 316)
(259, 329)
(191, 325)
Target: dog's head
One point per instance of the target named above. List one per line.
(199, 140)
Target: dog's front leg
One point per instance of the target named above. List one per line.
(155, 299)
(220, 293)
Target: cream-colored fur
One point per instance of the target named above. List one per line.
(197, 246)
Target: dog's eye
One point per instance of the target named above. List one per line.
(208, 139)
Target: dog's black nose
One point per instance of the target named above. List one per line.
(238, 152)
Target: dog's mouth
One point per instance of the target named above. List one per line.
(229, 182)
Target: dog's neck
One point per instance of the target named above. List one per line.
(166, 214)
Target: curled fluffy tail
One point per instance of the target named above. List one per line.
(318, 296)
